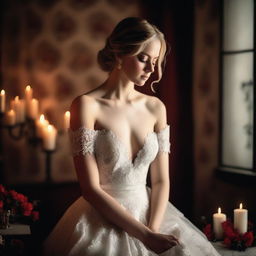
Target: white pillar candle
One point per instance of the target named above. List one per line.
(41, 123)
(32, 109)
(66, 120)
(2, 101)
(49, 137)
(241, 219)
(10, 117)
(218, 218)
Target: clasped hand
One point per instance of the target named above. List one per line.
(159, 243)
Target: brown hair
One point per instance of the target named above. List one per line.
(127, 38)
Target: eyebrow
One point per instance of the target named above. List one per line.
(149, 55)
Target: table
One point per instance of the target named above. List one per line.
(16, 229)
(223, 251)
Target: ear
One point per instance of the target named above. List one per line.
(119, 62)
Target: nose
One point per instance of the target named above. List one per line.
(150, 67)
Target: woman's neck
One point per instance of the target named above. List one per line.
(118, 87)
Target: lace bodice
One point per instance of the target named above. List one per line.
(116, 169)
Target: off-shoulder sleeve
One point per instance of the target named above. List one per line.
(82, 141)
(163, 138)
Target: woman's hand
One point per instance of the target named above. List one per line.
(159, 243)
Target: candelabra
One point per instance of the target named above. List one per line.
(28, 130)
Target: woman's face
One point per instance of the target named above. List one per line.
(139, 67)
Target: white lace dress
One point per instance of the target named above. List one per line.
(83, 232)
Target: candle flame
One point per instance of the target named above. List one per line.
(2, 92)
(16, 98)
(11, 111)
(67, 114)
(241, 206)
(42, 118)
(219, 210)
(49, 127)
(28, 88)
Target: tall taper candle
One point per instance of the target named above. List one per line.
(2, 101)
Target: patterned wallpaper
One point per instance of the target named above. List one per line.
(52, 45)
(205, 103)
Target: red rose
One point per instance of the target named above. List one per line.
(21, 198)
(248, 238)
(208, 232)
(35, 215)
(227, 242)
(27, 208)
(14, 194)
(2, 189)
(229, 230)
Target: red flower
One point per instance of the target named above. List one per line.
(1, 204)
(248, 238)
(208, 232)
(35, 215)
(21, 198)
(27, 208)
(227, 242)
(2, 189)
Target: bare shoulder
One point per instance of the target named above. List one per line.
(158, 110)
(83, 101)
(83, 111)
(155, 105)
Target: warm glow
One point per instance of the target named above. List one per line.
(28, 88)
(16, 98)
(67, 114)
(241, 206)
(34, 100)
(2, 92)
(42, 118)
(11, 112)
(219, 210)
(50, 127)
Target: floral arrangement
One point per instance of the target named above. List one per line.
(231, 238)
(18, 204)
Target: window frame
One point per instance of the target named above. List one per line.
(229, 168)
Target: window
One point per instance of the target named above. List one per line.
(238, 108)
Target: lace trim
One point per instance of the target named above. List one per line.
(82, 141)
(163, 138)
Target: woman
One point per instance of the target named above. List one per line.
(117, 133)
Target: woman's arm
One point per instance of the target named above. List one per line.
(83, 110)
(159, 172)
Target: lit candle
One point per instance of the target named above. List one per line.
(10, 117)
(218, 218)
(15, 106)
(49, 137)
(41, 123)
(2, 101)
(66, 120)
(241, 219)
(28, 93)
(32, 110)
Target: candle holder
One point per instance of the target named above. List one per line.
(48, 165)
(25, 130)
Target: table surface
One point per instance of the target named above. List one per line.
(16, 229)
(223, 251)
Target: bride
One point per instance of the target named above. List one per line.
(117, 135)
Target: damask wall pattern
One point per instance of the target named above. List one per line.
(52, 45)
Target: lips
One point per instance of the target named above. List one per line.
(145, 77)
